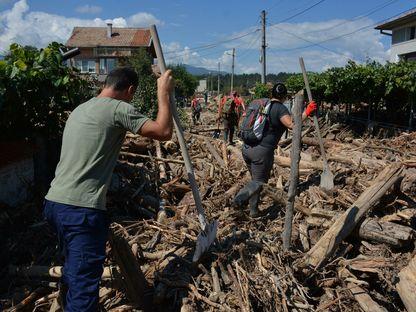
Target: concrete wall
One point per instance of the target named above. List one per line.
(202, 86)
(402, 48)
(16, 179)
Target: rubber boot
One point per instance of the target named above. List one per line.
(243, 196)
(254, 205)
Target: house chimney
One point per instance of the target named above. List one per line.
(109, 30)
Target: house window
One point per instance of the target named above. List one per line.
(85, 66)
(107, 65)
(403, 34)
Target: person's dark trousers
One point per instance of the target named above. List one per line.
(259, 161)
(229, 128)
(82, 235)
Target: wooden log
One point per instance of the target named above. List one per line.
(133, 277)
(196, 131)
(366, 303)
(371, 229)
(285, 162)
(142, 146)
(162, 168)
(386, 232)
(176, 188)
(168, 160)
(294, 171)
(407, 285)
(26, 303)
(213, 151)
(224, 153)
(314, 142)
(54, 272)
(289, 140)
(344, 225)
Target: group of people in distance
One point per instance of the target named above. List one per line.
(258, 153)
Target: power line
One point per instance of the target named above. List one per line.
(356, 18)
(317, 44)
(299, 13)
(330, 39)
(214, 44)
(217, 47)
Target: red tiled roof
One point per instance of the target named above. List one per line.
(97, 36)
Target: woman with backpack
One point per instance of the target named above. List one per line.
(264, 123)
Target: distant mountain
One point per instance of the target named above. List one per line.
(200, 71)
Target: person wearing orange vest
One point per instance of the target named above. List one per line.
(227, 112)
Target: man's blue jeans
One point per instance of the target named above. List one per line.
(82, 235)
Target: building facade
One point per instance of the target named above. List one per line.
(401, 29)
(102, 47)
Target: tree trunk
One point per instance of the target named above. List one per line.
(344, 225)
(407, 285)
(134, 280)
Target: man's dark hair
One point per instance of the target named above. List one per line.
(279, 90)
(121, 79)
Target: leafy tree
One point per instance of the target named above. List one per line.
(37, 90)
(261, 90)
(145, 98)
(185, 83)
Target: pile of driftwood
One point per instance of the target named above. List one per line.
(352, 249)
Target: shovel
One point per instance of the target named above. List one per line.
(209, 229)
(327, 178)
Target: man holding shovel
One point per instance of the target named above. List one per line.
(75, 205)
(259, 156)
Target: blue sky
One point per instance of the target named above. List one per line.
(185, 24)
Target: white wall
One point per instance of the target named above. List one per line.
(202, 86)
(15, 181)
(402, 48)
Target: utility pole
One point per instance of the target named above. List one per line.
(209, 83)
(263, 47)
(218, 95)
(232, 71)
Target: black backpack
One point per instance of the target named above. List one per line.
(253, 123)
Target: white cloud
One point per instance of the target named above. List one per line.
(143, 19)
(89, 9)
(285, 47)
(35, 28)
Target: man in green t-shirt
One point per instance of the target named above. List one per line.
(75, 205)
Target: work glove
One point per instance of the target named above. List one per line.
(311, 108)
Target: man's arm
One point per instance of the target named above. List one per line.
(161, 128)
(287, 120)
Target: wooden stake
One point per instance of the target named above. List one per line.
(294, 171)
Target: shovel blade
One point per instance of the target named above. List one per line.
(205, 240)
(327, 180)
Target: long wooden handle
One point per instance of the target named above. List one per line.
(179, 132)
(315, 119)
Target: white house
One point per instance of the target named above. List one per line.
(402, 31)
(202, 86)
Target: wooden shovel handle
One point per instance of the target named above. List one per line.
(179, 132)
(315, 119)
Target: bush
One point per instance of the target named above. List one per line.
(36, 92)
